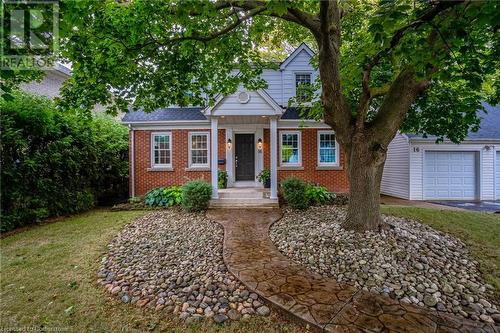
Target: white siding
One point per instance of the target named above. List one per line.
(49, 86)
(486, 167)
(255, 106)
(497, 175)
(396, 176)
(273, 79)
(298, 64)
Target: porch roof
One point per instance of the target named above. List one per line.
(186, 114)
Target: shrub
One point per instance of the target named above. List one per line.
(265, 177)
(317, 195)
(196, 195)
(56, 163)
(163, 196)
(222, 179)
(294, 192)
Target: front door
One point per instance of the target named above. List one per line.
(244, 156)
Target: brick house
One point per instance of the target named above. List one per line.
(243, 134)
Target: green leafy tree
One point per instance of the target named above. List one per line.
(56, 163)
(421, 65)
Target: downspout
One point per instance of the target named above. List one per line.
(132, 160)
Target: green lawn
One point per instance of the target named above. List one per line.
(48, 274)
(48, 279)
(480, 231)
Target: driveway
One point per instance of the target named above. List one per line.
(479, 206)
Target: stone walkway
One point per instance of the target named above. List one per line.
(321, 302)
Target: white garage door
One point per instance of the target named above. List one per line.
(450, 175)
(497, 176)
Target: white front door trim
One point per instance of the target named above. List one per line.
(214, 167)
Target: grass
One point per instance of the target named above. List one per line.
(48, 274)
(480, 231)
(48, 279)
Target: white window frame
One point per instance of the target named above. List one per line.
(190, 145)
(158, 165)
(337, 159)
(299, 138)
(295, 79)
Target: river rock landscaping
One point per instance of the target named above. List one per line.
(409, 261)
(171, 261)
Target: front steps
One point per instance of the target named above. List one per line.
(244, 198)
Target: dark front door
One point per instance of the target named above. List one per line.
(245, 156)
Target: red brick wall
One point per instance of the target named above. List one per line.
(334, 180)
(146, 179)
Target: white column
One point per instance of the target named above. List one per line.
(274, 157)
(214, 165)
(229, 158)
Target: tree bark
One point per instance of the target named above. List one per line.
(364, 141)
(365, 167)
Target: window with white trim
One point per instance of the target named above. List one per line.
(290, 152)
(161, 149)
(302, 79)
(198, 149)
(327, 149)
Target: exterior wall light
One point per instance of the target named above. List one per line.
(259, 144)
(229, 144)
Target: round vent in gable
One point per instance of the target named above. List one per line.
(243, 97)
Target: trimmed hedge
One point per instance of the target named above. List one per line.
(294, 192)
(57, 163)
(196, 195)
(300, 195)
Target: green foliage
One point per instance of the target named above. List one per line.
(318, 195)
(56, 163)
(164, 197)
(264, 176)
(294, 192)
(222, 178)
(196, 195)
(459, 50)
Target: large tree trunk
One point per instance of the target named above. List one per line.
(365, 166)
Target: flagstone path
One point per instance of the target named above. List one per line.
(320, 302)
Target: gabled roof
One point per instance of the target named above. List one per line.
(302, 47)
(278, 110)
(489, 129)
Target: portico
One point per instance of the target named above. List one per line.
(244, 116)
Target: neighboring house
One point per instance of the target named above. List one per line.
(51, 84)
(417, 168)
(242, 134)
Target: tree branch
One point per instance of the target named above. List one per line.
(337, 112)
(302, 18)
(214, 35)
(398, 35)
(400, 96)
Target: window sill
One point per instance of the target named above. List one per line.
(291, 167)
(329, 167)
(159, 169)
(198, 169)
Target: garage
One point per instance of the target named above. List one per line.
(450, 175)
(497, 176)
